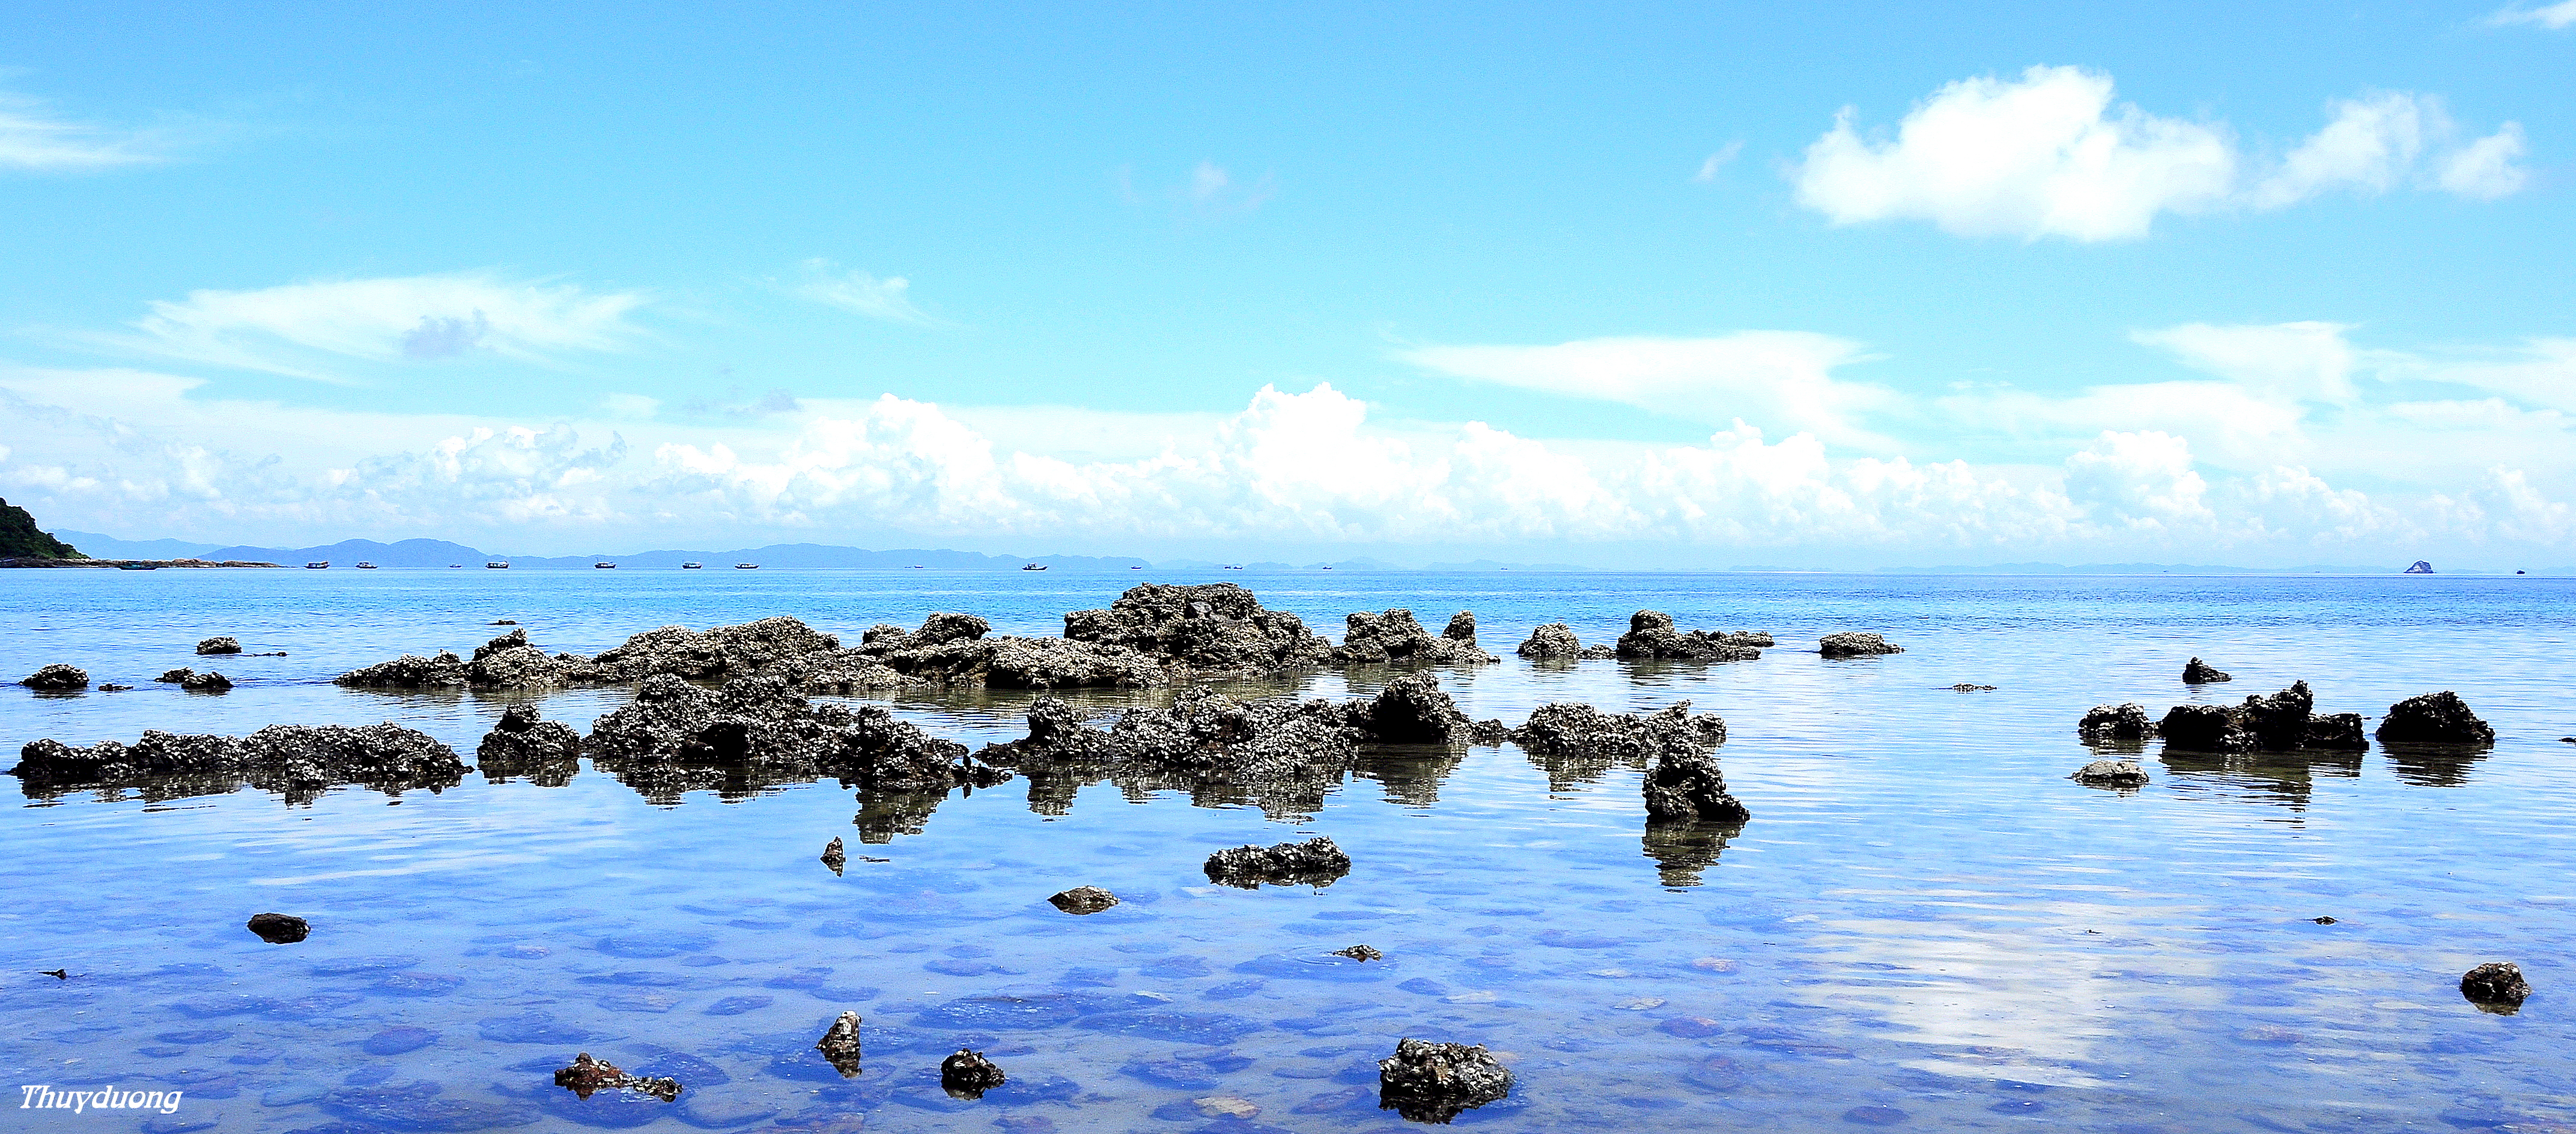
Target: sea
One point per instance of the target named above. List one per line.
(1926, 924)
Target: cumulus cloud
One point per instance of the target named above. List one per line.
(858, 292)
(2552, 16)
(35, 139)
(1779, 379)
(308, 330)
(2049, 154)
(2142, 480)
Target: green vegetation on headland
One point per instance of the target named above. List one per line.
(20, 537)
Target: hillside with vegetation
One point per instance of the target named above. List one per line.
(21, 538)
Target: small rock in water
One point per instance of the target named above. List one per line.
(206, 683)
(2111, 773)
(1691, 1027)
(505, 622)
(967, 1075)
(587, 1075)
(1435, 1082)
(1855, 644)
(1875, 1115)
(1314, 862)
(57, 679)
(112, 687)
(1971, 687)
(1084, 900)
(175, 676)
(1359, 953)
(2116, 722)
(2198, 672)
(2496, 986)
(226, 645)
(832, 856)
(2434, 718)
(2323, 920)
(1553, 641)
(840, 1045)
(279, 929)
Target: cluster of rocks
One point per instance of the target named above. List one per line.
(1651, 636)
(958, 649)
(1436, 1082)
(1394, 638)
(1855, 644)
(587, 1076)
(2283, 722)
(296, 761)
(507, 662)
(195, 682)
(1202, 631)
(1314, 862)
(756, 731)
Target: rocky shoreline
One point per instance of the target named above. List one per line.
(153, 564)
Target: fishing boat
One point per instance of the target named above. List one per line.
(318, 565)
(604, 566)
(691, 566)
(746, 566)
(1034, 567)
(497, 565)
(364, 566)
(453, 566)
(138, 566)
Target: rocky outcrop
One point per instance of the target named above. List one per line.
(1083, 900)
(506, 662)
(2282, 722)
(2198, 672)
(954, 649)
(177, 676)
(1436, 1082)
(967, 1075)
(2495, 984)
(547, 752)
(1206, 630)
(57, 678)
(1685, 786)
(1315, 862)
(1394, 638)
(2434, 718)
(1855, 644)
(1576, 742)
(587, 1076)
(2116, 723)
(756, 732)
(779, 645)
(1651, 637)
(1413, 710)
(296, 761)
(1554, 641)
(219, 646)
(840, 1043)
(2111, 773)
(280, 929)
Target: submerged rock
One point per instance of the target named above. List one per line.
(2111, 773)
(2116, 722)
(2434, 718)
(57, 678)
(1394, 638)
(2495, 985)
(1554, 641)
(280, 929)
(297, 761)
(1359, 953)
(967, 1074)
(2198, 672)
(1084, 900)
(206, 683)
(547, 752)
(1314, 862)
(225, 645)
(1206, 630)
(1855, 644)
(586, 1076)
(840, 1043)
(1436, 1082)
(1651, 636)
(834, 857)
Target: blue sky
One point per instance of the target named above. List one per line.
(1669, 284)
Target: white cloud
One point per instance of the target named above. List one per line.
(35, 139)
(1709, 167)
(310, 330)
(2141, 480)
(1776, 379)
(858, 292)
(2049, 155)
(2553, 16)
(2307, 361)
(1210, 192)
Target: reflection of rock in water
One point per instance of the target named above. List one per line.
(1411, 773)
(1682, 849)
(885, 814)
(2433, 765)
(2285, 778)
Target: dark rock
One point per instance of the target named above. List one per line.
(57, 679)
(2204, 728)
(1084, 900)
(2434, 718)
(1314, 862)
(176, 676)
(112, 687)
(547, 752)
(1394, 638)
(840, 1044)
(2279, 722)
(279, 929)
(967, 1074)
(2495, 984)
(779, 646)
(1855, 644)
(834, 857)
(587, 1075)
(1413, 710)
(2323, 920)
(2198, 672)
(219, 646)
(1577, 743)
(757, 732)
(1651, 636)
(1553, 641)
(1436, 1082)
(1207, 630)
(2116, 722)
(2341, 731)
(1685, 786)
(297, 761)
(2111, 773)
(1359, 953)
(206, 683)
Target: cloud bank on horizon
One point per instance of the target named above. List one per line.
(2191, 404)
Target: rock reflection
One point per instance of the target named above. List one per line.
(2285, 778)
(1682, 849)
(2433, 765)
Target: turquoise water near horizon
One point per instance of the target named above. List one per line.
(1924, 925)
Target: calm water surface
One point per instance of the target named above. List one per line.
(1925, 926)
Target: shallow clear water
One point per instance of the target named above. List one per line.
(1925, 924)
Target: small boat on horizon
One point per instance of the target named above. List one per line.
(453, 566)
(604, 566)
(746, 566)
(318, 565)
(1034, 567)
(138, 566)
(497, 565)
(691, 566)
(365, 566)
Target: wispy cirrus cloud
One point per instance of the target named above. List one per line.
(34, 138)
(2050, 154)
(888, 298)
(2551, 16)
(1781, 380)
